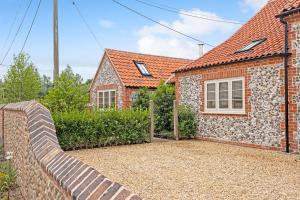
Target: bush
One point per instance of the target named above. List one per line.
(142, 99)
(163, 100)
(188, 123)
(101, 128)
(8, 177)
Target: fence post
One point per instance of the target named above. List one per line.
(151, 109)
(176, 132)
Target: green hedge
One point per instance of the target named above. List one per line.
(103, 128)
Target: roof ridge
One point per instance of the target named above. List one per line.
(144, 54)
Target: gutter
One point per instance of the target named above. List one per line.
(286, 13)
(286, 81)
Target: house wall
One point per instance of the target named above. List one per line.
(127, 98)
(294, 80)
(106, 79)
(261, 125)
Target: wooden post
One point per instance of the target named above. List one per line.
(176, 132)
(151, 109)
(55, 40)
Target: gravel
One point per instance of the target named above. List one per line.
(198, 170)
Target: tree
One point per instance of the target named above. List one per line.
(68, 93)
(2, 97)
(46, 85)
(142, 99)
(22, 81)
(163, 100)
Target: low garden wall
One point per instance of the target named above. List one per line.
(44, 170)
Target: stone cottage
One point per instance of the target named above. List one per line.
(120, 75)
(246, 90)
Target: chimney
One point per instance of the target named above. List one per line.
(201, 51)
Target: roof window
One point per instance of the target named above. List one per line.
(142, 68)
(250, 46)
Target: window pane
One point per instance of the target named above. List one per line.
(237, 104)
(237, 85)
(223, 95)
(211, 87)
(223, 86)
(106, 99)
(100, 99)
(211, 96)
(211, 104)
(223, 104)
(238, 94)
(112, 99)
(143, 68)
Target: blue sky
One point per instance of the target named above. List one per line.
(115, 27)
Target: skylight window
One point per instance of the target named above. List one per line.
(142, 68)
(250, 46)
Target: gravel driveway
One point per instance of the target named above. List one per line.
(198, 170)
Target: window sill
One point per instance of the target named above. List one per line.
(220, 113)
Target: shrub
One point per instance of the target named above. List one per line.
(101, 128)
(163, 100)
(8, 177)
(142, 99)
(188, 123)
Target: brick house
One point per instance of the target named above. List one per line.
(120, 75)
(240, 89)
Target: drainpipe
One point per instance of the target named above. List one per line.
(286, 83)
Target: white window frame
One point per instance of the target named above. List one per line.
(109, 94)
(228, 110)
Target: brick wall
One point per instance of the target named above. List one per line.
(44, 170)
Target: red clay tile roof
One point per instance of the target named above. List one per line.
(160, 67)
(263, 25)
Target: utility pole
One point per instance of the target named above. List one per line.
(55, 40)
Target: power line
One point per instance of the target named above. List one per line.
(87, 25)
(177, 11)
(142, 15)
(11, 26)
(32, 23)
(18, 30)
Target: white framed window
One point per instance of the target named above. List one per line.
(225, 96)
(106, 99)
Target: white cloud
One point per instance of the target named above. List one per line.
(106, 23)
(253, 5)
(156, 39)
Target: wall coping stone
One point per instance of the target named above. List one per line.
(75, 178)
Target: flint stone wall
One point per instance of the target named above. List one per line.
(106, 76)
(44, 170)
(261, 126)
(296, 79)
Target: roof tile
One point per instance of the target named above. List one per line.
(160, 67)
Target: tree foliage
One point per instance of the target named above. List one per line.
(163, 101)
(22, 81)
(142, 99)
(46, 85)
(68, 93)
